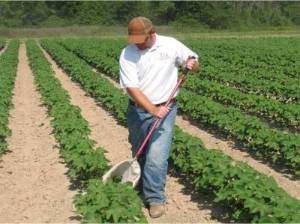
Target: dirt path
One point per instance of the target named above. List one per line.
(211, 142)
(113, 137)
(33, 184)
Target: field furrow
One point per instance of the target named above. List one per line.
(71, 73)
(213, 141)
(208, 170)
(180, 206)
(33, 184)
(105, 59)
(262, 141)
(86, 163)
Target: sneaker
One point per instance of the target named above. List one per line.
(156, 211)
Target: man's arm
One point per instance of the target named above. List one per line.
(144, 102)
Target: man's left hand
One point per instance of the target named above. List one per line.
(192, 64)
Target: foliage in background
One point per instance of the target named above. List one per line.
(210, 14)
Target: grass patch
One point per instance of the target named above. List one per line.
(121, 31)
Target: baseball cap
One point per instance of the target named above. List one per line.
(138, 29)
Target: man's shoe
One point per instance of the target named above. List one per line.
(156, 211)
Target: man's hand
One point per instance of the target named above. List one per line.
(192, 64)
(160, 111)
(144, 102)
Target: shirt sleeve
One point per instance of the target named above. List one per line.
(128, 71)
(183, 52)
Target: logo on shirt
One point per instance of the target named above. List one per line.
(164, 56)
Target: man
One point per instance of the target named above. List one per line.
(148, 72)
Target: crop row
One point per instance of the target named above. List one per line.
(282, 115)
(267, 59)
(228, 65)
(112, 202)
(249, 195)
(272, 59)
(279, 114)
(8, 70)
(247, 67)
(102, 56)
(247, 84)
(266, 143)
(269, 144)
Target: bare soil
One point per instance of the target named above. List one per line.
(33, 185)
(180, 206)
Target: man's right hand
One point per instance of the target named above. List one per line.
(144, 102)
(160, 111)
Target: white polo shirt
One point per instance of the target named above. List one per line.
(154, 70)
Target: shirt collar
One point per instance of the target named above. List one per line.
(157, 42)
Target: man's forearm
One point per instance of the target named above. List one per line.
(144, 102)
(141, 99)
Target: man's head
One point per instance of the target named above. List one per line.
(140, 30)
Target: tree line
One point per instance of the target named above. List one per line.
(210, 14)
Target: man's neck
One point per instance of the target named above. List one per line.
(153, 40)
(150, 43)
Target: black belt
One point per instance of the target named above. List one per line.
(131, 102)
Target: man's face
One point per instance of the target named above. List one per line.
(146, 44)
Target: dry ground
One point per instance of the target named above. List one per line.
(33, 184)
(113, 137)
(214, 142)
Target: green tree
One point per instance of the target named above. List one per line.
(34, 13)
